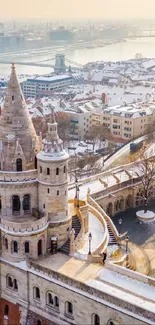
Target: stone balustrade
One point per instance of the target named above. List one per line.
(84, 289)
(103, 246)
(27, 175)
(105, 216)
(21, 227)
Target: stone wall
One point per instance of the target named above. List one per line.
(85, 300)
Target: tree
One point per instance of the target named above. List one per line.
(64, 127)
(145, 171)
(97, 134)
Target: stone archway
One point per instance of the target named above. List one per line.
(110, 209)
(121, 204)
(129, 201)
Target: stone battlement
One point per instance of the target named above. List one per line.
(18, 176)
(32, 224)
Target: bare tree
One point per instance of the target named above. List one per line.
(145, 171)
(97, 134)
(64, 127)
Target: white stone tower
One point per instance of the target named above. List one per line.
(53, 183)
(23, 228)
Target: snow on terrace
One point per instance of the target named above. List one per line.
(132, 296)
(139, 288)
(98, 184)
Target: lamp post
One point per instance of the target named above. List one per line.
(120, 223)
(90, 240)
(76, 185)
(126, 246)
(78, 194)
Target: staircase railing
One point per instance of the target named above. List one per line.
(103, 246)
(105, 216)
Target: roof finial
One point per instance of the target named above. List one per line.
(13, 66)
(52, 117)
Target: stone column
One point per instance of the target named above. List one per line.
(23, 315)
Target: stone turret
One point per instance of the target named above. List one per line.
(53, 183)
(18, 140)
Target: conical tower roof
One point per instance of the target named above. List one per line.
(16, 124)
(52, 144)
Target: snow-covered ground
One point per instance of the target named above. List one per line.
(97, 231)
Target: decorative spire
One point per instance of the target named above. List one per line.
(16, 124)
(52, 118)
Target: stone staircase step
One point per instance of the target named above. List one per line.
(76, 225)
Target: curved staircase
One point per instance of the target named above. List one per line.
(113, 232)
(76, 225)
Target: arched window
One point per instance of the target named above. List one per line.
(19, 165)
(35, 162)
(15, 285)
(95, 319)
(49, 299)
(26, 247)
(56, 301)
(9, 282)
(69, 308)
(6, 310)
(48, 171)
(6, 243)
(39, 247)
(36, 292)
(38, 322)
(57, 171)
(15, 246)
(64, 169)
(15, 203)
(0, 204)
(26, 202)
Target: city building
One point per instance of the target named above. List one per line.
(130, 121)
(42, 86)
(42, 218)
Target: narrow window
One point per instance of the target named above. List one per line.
(19, 165)
(10, 282)
(36, 293)
(26, 202)
(57, 192)
(48, 190)
(6, 243)
(15, 203)
(56, 301)
(48, 171)
(6, 310)
(50, 299)
(15, 285)
(15, 247)
(13, 97)
(57, 171)
(44, 206)
(69, 308)
(0, 204)
(40, 169)
(38, 322)
(64, 169)
(27, 247)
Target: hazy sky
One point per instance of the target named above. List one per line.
(88, 9)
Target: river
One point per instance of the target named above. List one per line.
(115, 52)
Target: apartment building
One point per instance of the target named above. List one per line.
(128, 122)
